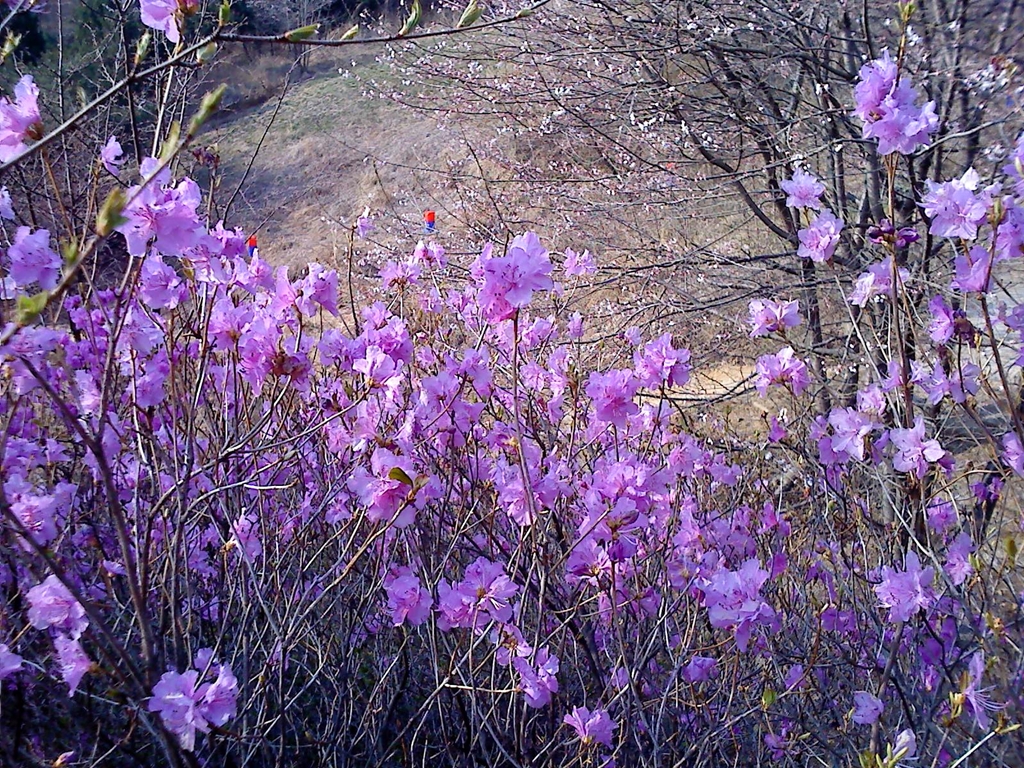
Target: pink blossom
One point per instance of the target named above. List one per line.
(10, 662)
(767, 316)
(866, 708)
(111, 155)
(507, 283)
(733, 600)
(165, 15)
(612, 394)
(803, 190)
(819, 239)
(913, 452)
(579, 264)
(407, 599)
(19, 120)
(591, 727)
(783, 368)
(73, 661)
(954, 208)
(32, 259)
(906, 592)
(51, 605)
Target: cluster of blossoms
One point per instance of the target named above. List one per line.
(887, 104)
(468, 479)
(185, 705)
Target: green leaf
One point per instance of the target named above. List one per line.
(399, 474)
(470, 15)
(302, 33)
(206, 53)
(170, 145)
(110, 216)
(142, 47)
(211, 101)
(413, 20)
(30, 307)
(768, 698)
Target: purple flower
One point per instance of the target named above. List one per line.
(905, 747)
(876, 282)
(877, 79)
(941, 515)
(975, 697)
(32, 259)
(110, 155)
(886, 104)
(51, 605)
(767, 316)
(219, 700)
(10, 662)
(165, 15)
(660, 363)
(733, 600)
(6, 209)
(958, 564)
(482, 596)
(700, 669)
(782, 368)
(159, 285)
(819, 239)
(866, 708)
(539, 680)
(186, 707)
(850, 428)
(591, 727)
(579, 264)
(913, 452)
(175, 698)
(973, 270)
(73, 661)
(803, 190)
(906, 592)
(507, 282)
(940, 329)
(612, 394)
(162, 214)
(364, 225)
(1015, 168)
(407, 599)
(19, 120)
(954, 208)
(1013, 453)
